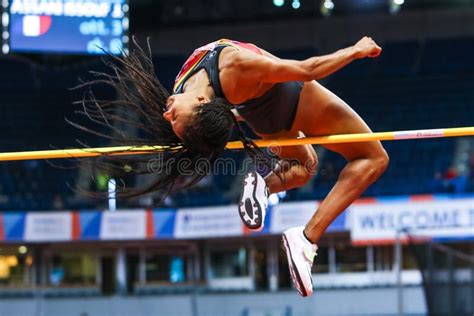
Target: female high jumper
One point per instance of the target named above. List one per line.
(226, 81)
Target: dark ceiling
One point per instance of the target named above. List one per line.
(156, 14)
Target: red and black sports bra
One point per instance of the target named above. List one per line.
(272, 112)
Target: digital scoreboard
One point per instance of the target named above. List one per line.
(65, 26)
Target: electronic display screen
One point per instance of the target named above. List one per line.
(66, 26)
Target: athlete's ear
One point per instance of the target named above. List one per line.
(203, 99)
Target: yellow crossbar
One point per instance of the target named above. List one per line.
(331, 139)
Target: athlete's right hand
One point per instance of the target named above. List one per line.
(367, 47)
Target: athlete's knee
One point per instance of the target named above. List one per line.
(310, 164)
(302, 178)
(306, 170)
(379, 163)
(383, 161)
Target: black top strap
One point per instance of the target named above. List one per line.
(211, 64)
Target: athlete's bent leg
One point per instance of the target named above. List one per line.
(366, 163)
(320, 112)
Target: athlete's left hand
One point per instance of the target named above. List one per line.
(366, 47)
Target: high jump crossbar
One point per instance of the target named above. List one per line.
(331, 139)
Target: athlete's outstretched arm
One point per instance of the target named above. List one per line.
(266, 69)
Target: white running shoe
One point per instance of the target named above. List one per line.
(300, 253)
(253, 201)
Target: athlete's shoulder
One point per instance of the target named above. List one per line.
(247, 46)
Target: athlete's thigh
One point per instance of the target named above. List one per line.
(321, 112)
(304, 154)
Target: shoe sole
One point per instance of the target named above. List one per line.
(295, 276)
(250, 206)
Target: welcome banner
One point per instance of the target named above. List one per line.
(439, 218)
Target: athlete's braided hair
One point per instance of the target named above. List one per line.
(210, 128)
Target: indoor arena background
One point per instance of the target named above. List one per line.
(405, 248)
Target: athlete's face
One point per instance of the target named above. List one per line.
(180, 109)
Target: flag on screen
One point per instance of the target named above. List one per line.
(36, 25)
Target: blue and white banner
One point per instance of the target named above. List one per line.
(130, 224)
(49, 226)
(287, 215)
(369, 221)
(223, 221)
(438, 218)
